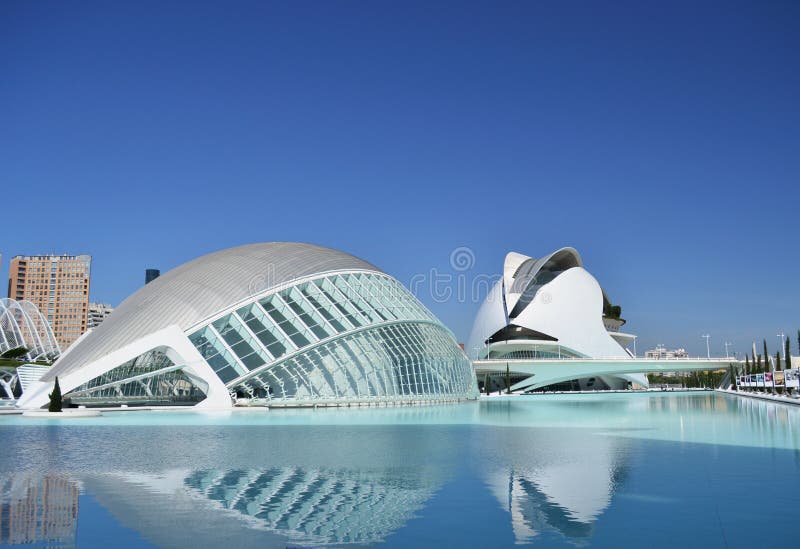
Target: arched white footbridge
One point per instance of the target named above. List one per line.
(543, 372)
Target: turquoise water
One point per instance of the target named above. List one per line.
(661, 469)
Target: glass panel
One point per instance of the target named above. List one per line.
(355, 300)
(265, 330)
(305, 312)
(342, 304)
(145, 380)
(212, 349)
(409, 361)
(279, 314)
(241, 342)
(314, 297)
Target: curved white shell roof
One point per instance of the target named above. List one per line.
(520, 273)
(567, 306)
(202, 288)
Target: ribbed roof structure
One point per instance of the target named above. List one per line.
(23, 325)
(202, 288)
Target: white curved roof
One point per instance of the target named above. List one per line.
(201, 288)
(525, 271)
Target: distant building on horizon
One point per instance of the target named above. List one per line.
(59, 286)
(661, 352)
(98, 313)
(150, 275)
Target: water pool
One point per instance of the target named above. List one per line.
(657, 469)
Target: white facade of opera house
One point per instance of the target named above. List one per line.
(264, 324)
(551, 308)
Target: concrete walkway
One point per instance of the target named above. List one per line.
(785, 399)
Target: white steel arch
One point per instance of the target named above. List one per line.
(23, 325)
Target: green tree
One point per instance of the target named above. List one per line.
(508, 380)
(766, 365)
(787, 355)
(15, 352)
(732, 373)
(55, 398)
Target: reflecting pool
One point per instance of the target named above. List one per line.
(657, 469)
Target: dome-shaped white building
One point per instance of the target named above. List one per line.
(274, 323)
(550, 308)
(23, 325)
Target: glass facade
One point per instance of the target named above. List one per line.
(337, 338)
(348, 337)
(533, 352)
(151, 378)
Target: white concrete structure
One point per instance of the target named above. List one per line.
(275, 323)
(550, 308)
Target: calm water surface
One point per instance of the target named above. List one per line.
(656, 470)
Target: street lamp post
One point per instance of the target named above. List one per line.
(727, 344)
(708, 349)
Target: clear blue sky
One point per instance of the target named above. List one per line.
(659, 138)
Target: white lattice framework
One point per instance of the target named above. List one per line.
(22, 324)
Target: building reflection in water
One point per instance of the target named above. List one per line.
(565, 490)
(36, 509)
(267, 507)
(317, 505)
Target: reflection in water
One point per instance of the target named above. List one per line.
(37, 508)
(267, 507)
(557, 466)
(316, 505)
(562, 490)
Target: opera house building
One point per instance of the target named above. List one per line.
(552, 308)
(264, 324)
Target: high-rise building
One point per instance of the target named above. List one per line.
(39, 509)
(59, 286)
(98, 313)
(150, 275)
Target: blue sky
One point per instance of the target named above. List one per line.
(659, 138)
